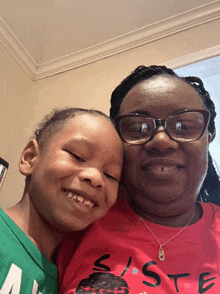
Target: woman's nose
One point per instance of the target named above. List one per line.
(92, 176)
(161, 141)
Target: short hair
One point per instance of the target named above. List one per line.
(55, 121)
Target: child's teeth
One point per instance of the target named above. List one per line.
(80, 199)
(70, 195)
(88, 203)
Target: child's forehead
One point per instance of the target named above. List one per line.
(89, 121)
(90, 129)
(87, 117)
(86, 127)
(90, 137)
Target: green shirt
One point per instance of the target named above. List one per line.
(23, 269)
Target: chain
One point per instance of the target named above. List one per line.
(161, 254)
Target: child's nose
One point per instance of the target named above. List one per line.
(93, 176)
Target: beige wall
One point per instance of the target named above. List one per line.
(15, 113)
(24, 102)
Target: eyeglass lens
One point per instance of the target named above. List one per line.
(187, 126)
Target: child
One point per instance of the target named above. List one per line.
(72, 170)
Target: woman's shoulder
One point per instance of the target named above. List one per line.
(211, 212)
(209, 206)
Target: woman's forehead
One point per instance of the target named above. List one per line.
(161, 92)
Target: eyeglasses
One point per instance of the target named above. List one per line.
(184, 126)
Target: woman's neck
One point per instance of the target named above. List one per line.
(172, 219)
(33, 225)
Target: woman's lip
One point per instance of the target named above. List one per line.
(161, 168)
(161, 164)
(158, 168)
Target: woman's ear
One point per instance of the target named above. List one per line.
(210, 137)
(29, 158)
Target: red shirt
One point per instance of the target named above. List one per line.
(118, 254)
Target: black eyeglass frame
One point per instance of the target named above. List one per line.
(162, 122)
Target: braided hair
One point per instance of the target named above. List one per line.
(210, 190)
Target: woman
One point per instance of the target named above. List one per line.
(162, 239)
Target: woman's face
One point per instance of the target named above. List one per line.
(162, 175)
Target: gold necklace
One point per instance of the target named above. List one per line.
(161, 254)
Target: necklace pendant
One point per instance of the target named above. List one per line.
(161, 255)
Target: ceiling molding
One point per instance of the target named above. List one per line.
(194, 57)
(131, 40)
(17, 50)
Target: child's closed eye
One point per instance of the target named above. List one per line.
(78, 158)
(110, 177)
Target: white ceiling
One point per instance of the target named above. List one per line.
(43, 32)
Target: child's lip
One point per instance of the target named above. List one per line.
(81, 197)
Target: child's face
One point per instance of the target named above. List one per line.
(75, 178)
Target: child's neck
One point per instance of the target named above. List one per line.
(33, 225)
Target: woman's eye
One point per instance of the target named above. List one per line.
(185, 126)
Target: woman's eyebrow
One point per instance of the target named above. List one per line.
(144, 112)
(179, 110)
